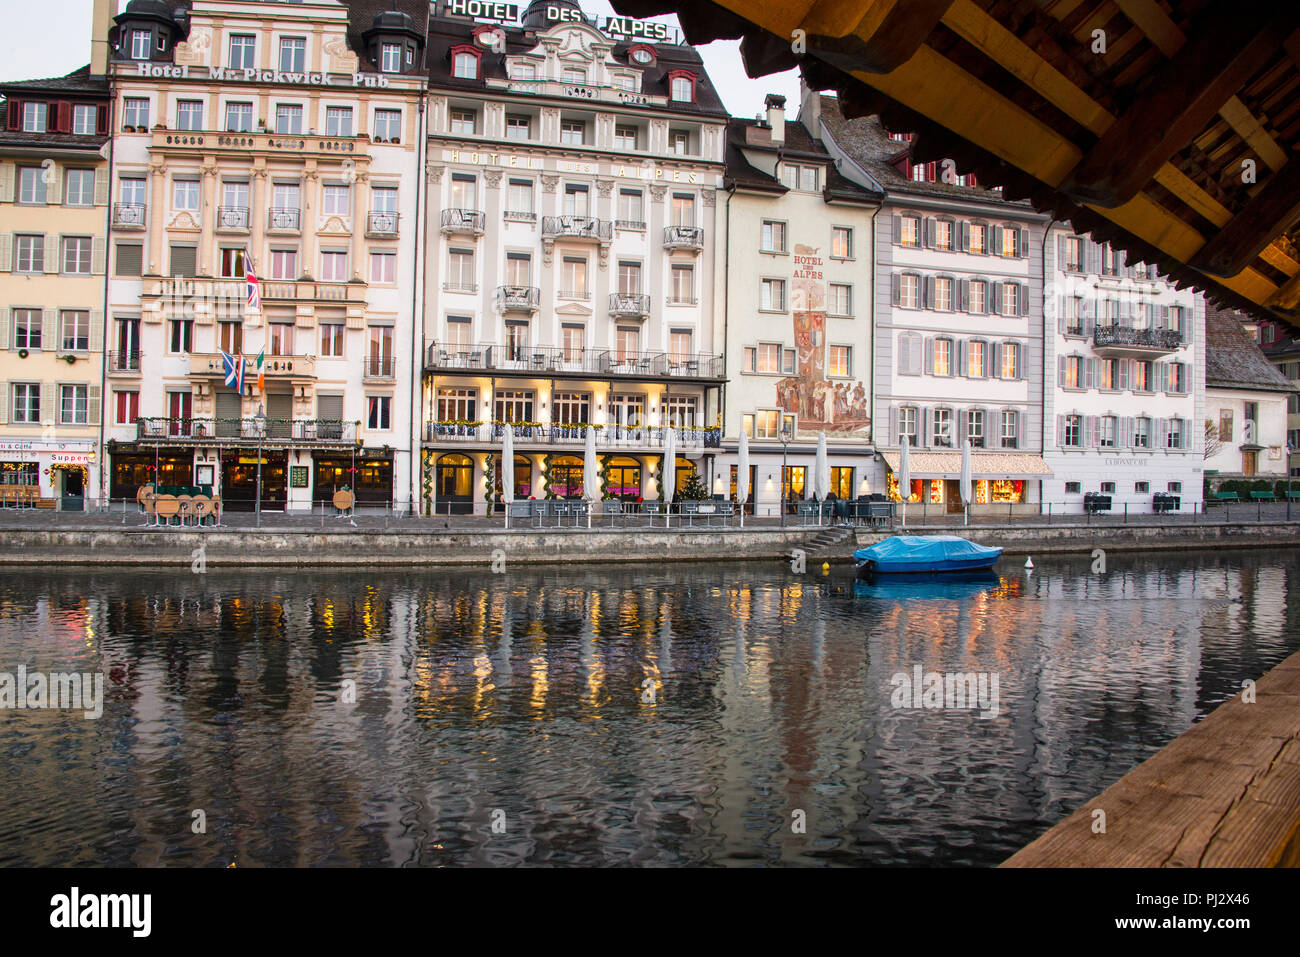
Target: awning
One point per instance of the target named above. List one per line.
(984, 465)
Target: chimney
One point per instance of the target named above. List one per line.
(776, 117)
(810, 109)
(101, 21)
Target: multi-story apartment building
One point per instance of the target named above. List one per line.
(291, 133)
(796, 240)
(958, 322)
(1281, 346)
(1247, 402)
(1125, 379)
(53, 203)
(572, 179)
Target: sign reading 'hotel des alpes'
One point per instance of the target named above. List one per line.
(821, 405)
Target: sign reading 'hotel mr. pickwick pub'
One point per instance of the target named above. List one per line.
(620, 28)
(182, 71)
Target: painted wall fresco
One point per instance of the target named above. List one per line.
(839, 407)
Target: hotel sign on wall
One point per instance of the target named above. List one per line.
(182, 71)
(619, 28)
(660, 174)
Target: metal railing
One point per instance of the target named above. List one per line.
(123, 362)
(379, 367)
(381, 223)
(519, 298)
(609, 436)
(232, 217)
(629, 304)
(282, 219)
(557, 359)
(683, 237)
(577, 227)
(246, 430)
(128, 214)
(1117, 335)
(463, 221)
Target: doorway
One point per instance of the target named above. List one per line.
(239, 480)
(72, 497)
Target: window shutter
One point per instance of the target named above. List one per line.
(1130, 432)
(6, 252)
(96, 330)
(929, 355)
(1060, 431)
(960, 415)
(928, 299)
(6, 182)
(1022, 372)
(98, 255)
(52, 178)
(896, 283)
(995, 360)
(996, 232)
(1022, 298)
(1087, 317)
(1019, 418)
(1161, 370)
(961, 357)
(94, 404)
(915, 360)
(898, 229)
(1022, 244)
(51, 253)
(1188, 318)
(49, 403)
(984, 372)
(904, 354)
(101, 120)
(1060, 371)
(49, 330)
(1060, 314)
(4, 402)
(1089, 373)
(995, 299)
(963, 295)
(1158, 427)
(922, 426)
(1089, 431)
(15, 115)
(929, 232)
(101, 186)
(1060, 253)
(1187, 378)
(64, 111)
(965, 236)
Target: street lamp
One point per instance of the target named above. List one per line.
(260, 419)
(785, 448)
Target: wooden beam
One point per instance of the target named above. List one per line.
(1271, 211)
(885, 37)
(1228, 46)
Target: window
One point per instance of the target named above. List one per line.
(571, 408)
(189, 114)
(979, 238)
(573, 278)
(841, 242)
(572, 132)
(1073, 259)
(577, 200)
(975, 427)
(128, 407)
(1010, 430)
(27, 403)
(909, 230)
(185, 194)
(518, 128)
(907, 425)
(943, 293)
(1072, 433)
(231, 263)
(624, 81)
(288, 118)
(839, 299)
(683, 289)
(73, 405)
(625, 137)
(909, 290)
(293, 54)
(27, 329)
(239, 117)
(1073, 488)
(1174, 434)
(629, 278)
(336, 200)
(31, 184)
(1143, 378)
(1010, 299)
(75, 330)
(460, 270)
(1107, 488)
(390, 58)
(140, 44)
(1175, 486)
(573, 336)
(243, 51)
(1142, 433)
(574, 75)
(773, 295)
(942, 361)
(773, 236)
(231, 337)
(679, 344)
(378, 412)
(181, 338)
(978, 296)
(768, 357)
(798, 177)
(388, 124)
(1107, 427)
(183, 259)
(1110, 263)
(975, 356)
(30, 254)
(463, 122)
(284, 264)
(135, 111)
(464, 66)
(280, 338)
(338, 121)
(943, 234)
(683, 210)
(34, 117)
(83, 118)
(1141, 487)
(523, 71)
(840, 361)
(1072, 372)
(1010, 243)
(1225, 425)
(519, 199)
(383, 267)
(79, 187)
(76, 255)
(1010, 360)
(517, 341)
(334, 265)
(683, 90)
(631, 208)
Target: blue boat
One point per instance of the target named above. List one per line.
(912, 554)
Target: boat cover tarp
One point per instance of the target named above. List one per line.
(934, 550)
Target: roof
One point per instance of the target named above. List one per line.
(755, 135)
(78, 81)
(1233, 360)
(361, 17)
(984, 465)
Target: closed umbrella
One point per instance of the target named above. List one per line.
(904, 476)
(590, 474)
(742, 474)
(966, 479)
(821, 474)
(508, 468)
(670, 471)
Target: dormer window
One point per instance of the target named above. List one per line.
(794, 176)
(139, 44)
(34, 117)
(641, 55)
(390, 58)
(523, 71)
(574, 75)
(464, 63)
(681, 86)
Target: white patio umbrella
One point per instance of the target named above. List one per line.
(742, 474)
(669, 482)
(904, 476)
(965, 483)
(821, 475)
(590, 474)
(508, 468)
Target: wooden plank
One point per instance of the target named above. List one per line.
(1227, 47)
(1252, 131)
(1272, 210)
(1148, 17)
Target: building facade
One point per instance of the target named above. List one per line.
(1125, 374)
(958, 323)
(54, 181)
(797, 242)
(572, 181)
(291, 134)
(1281, 346)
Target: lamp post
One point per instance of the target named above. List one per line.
(260, 419)
(785, 448)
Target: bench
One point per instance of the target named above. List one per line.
(1263, 497)
(1226, 497)
(1292, 496)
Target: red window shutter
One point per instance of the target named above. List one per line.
(970, 180)
(64, 113)
(15, 115)
(101, 119)
(932, 172)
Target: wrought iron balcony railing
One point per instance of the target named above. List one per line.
(247, 430)
(683, 237)
(622, 305)
(577, 227)
(469, 221)
(381, 223)
(555, 361)
(519, 298)
(128, 215)
(1162, 340)
(232, 217)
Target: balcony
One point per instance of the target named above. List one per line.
(283, 220)
(628, 305)
(232, 219)
(248, 431)
(381, 224)
(378, 368)
(570, 436)
(573, 363)
(521, 299)
(1131, 342)
(690, 238)
(463, 222)
(128, 215)
(577, 227)
(123, 363)
(243, 145)
(183, 293)
(275, 367)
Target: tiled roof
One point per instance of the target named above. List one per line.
(984, 465)
(1233, 359)
(745, 134)
(362, 13)
(78, 81)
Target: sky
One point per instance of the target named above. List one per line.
(43, 38)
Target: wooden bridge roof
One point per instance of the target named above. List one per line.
(1162, 126)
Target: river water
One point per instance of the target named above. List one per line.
(676, 714)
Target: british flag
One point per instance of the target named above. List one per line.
(254, 290)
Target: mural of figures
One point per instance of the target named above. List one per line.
(821, 405)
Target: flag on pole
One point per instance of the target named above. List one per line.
(254, 290)
(261, 371)
(233, 367)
